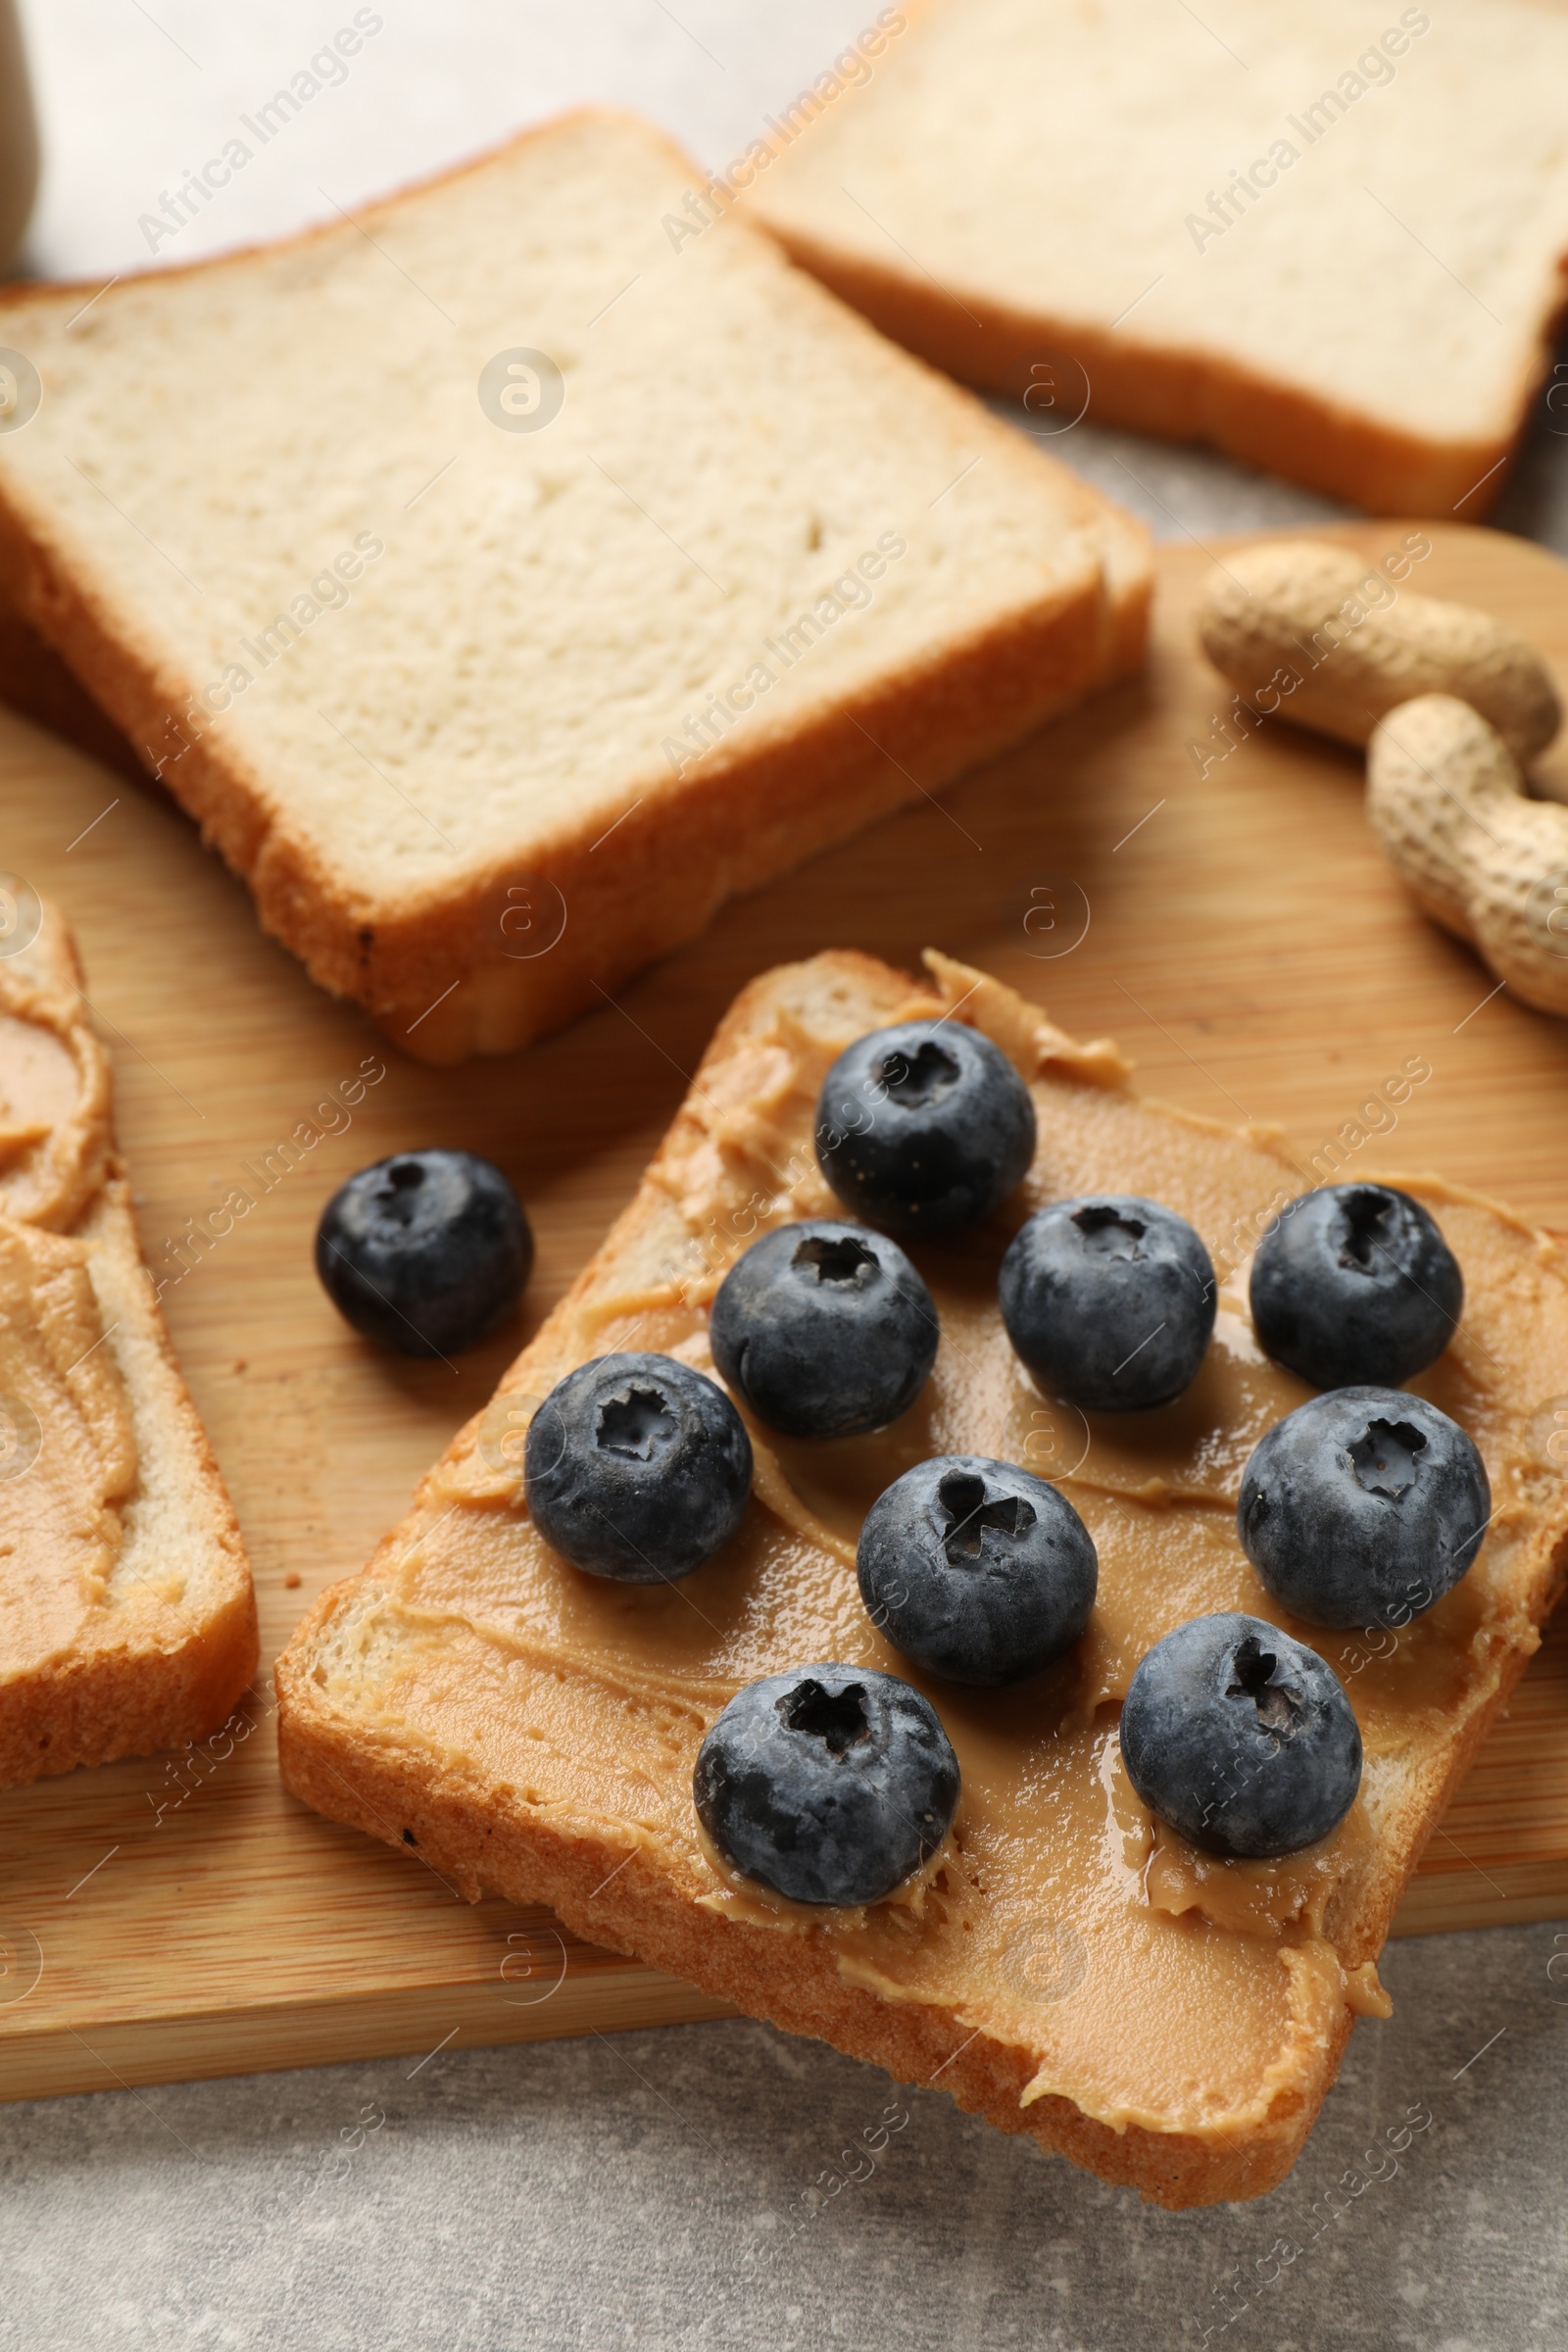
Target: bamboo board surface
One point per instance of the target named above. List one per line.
(1238, 932)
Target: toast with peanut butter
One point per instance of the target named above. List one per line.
(1065, 1965)
(127, 1620)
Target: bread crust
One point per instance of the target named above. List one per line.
(674, 865)
(1176, 395)
(36, 682)
(380, 1777)
(474, 1835)
(433, 967)
(130, 1702)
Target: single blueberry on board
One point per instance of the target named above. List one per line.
(924, 1127)
(1355, 1287)
(425, 1252)
(828, 1783)
(825, 1330)
(1241, 1738)
(637, 1467)
(1364, 1507)
(1110, 1299)
(976, 1570)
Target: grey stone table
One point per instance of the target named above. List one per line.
(655, 2191)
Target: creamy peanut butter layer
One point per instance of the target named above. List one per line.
(55, 1118)
(126, 1616)
(1149, 1984)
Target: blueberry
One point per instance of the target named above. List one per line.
(1355, 1285)
(825, 1329)
(1109, 1300)
(828, 1783)
(637, 1467)
(1241, 1738)
(425, 1253)
(977, 1570)
(1364, 1507)
(924, 1127)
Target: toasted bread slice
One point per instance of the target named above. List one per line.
(552, 579)
(1066, 1968)
(127, 1620)
(1332, 246)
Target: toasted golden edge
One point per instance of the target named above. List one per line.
(1184, 395)
(471, 1833)
(475, 1831)
(133, 1699)
(734, 829)
(134, 1703)
(846, 763)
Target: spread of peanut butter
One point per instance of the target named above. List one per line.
(68, 1444)
(1149, 1982)
(68, 1449)
(54, 1105)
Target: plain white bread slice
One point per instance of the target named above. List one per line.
(1331, 241)
(489, 716)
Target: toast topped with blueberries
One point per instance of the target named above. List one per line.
(891, 1589)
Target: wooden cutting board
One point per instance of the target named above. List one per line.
(1236, 930)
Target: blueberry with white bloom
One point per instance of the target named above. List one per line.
(976, 1570)
(1240, 1738)
(1110, 1299)
(824, 1329)
(1364, 1507)
(425, 1252)
(637, 1467)
(828, 1783)
(1355, 1287)
(924, 1127)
